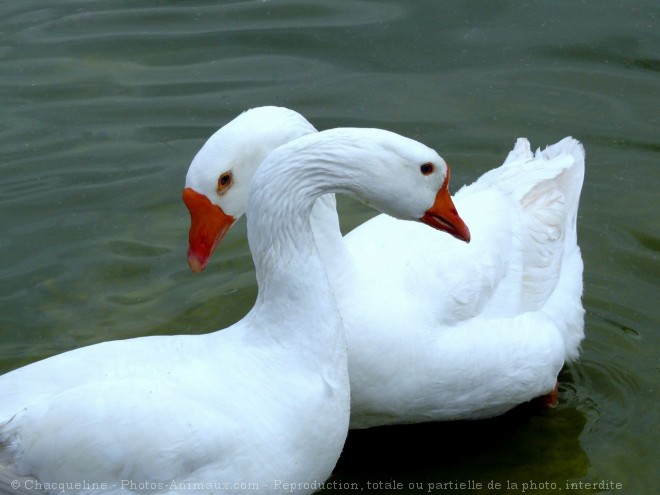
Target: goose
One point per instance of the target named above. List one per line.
(436, 329)
(261, 405)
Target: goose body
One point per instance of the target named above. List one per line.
(472, 330)
(263, 402)
(479, 328)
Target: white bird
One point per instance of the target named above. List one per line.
(436, 329)
(262, 405)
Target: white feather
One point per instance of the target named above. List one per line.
(263, 401)
(438, 329)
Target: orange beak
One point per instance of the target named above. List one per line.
(208, 225)
(443, 215)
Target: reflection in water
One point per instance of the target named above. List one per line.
(529, 443)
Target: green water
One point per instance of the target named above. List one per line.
(104, 104)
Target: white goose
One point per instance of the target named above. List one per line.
(437, 329)
(259, 404)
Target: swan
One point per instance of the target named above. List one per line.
(436, 329)
(261, 405)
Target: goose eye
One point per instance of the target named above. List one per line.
(427, 168)
(224, 182)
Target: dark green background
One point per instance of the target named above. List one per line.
(104, 104)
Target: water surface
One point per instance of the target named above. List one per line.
(106, 103)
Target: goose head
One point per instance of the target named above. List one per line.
(394, 174)
(218, 177)
(386, 167)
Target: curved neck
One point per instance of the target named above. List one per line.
(293, 282)
(330, 242)
(286, 258)
(294, 296)
(282, 194)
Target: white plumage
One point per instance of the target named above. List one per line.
(438, 329)
(263, 401)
